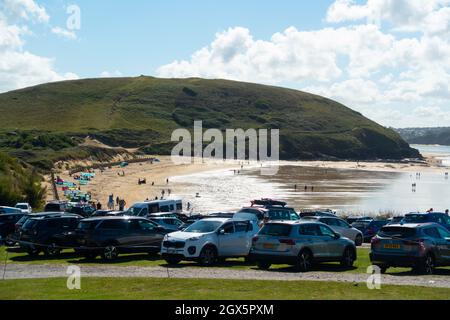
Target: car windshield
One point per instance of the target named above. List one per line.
(271, 229)
(397, 232)
(21, 206)
(133, 211)
(87, 225)
(415, 218)
(203, 226)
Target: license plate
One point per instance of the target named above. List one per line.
(268, 246)
(391, 246)
(171, 251)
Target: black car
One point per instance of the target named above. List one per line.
(107, 213)
(18, 226)
(47, 233)
(56, 206)
(7, 227)
(109, 236)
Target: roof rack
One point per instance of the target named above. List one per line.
(268, 202)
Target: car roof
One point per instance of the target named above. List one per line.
(223, 220)
(13, 214)
(295, 222)
(413, 225)
(114, 218)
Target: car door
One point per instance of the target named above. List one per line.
(311, 237)
(445, 247)
(228, 242)
(332, 246)
(147, 234)
(243, 231)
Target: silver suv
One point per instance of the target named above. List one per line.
(300, 243)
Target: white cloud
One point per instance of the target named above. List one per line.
(107, 74)
(64, 33)
(18, 67)
(25, 9)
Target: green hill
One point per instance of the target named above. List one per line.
(142, 112)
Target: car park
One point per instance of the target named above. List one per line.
(111, 236)
(422, 247)
(208, 240)
(301, 244)
(436, 217)
(7, 227)
(340, 226)
(46, 233)
(24, 207)
(369, 228)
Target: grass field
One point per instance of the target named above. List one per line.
(143, 260)
(191, 289)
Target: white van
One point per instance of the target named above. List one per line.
(143, 209)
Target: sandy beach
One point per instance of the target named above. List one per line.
(111, 182)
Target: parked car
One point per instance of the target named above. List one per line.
(421, 246)
(300, 243)
(106, 213)
(6, 210)
(395, 220)
(85, 211)
(144, 209)
(320, 213)
(208, 240)
(172, 224)
(273, 213)
(24, 207)
(342, 227)
(45, 233)
(437, 217)
(7, 227)
(369, 228)
(351, 220)
(111, 236)
(56, 206)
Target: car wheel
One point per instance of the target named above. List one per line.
(110, 252)
(208, 256)
(33, 252)
(358, 240)
(9, 242)
(172, 260)
(52, 250)
(304, 261)
(90, 256)
(348, 258)
(427, 265)
(263, 265)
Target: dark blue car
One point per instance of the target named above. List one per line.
(369, 228)
(436, 217)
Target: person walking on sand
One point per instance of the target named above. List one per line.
(122, 204)
(446, 212)
(117, 201)
(111, 202)
(99, 206)
(167, 181)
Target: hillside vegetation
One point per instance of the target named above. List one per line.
(142, 112)
(439, 136)
(19, 183)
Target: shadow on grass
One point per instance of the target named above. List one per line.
(437, 272)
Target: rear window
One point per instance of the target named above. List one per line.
(30, 224)
(397, 232)
(415, 218)
(52, 207)
(87, 225)
(113, 224)
(281, 230)
(360, 224)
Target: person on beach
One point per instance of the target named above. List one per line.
(111, 202)
(306, 188)
(446, 212)
(122, 204)
(167, 181)
(117, 201)
(99, 206)
(188, 206)
(431, 210)
(295, 187)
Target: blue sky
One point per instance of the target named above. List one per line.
(389, 59)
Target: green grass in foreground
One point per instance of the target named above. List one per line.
(203, 289)
(144, 260)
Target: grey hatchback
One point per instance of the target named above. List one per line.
(300, 243)
(420, 246)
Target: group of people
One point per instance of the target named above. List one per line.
(431, 210)
(306, 188)
(120, 203)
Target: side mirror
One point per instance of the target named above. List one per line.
(337, 236)
(447, 239)
(221, 231)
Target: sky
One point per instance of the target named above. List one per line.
(388, 59)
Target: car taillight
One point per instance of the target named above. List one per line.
(287, 241)
(374, 241)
